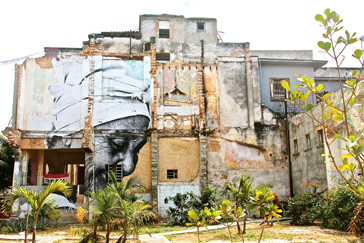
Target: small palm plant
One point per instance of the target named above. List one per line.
(262, 204)
(141, 212)
(54, 215)
(196, 219)
(227, 209)
(35, 200)
(80, 216)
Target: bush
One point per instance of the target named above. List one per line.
(305, 209)
(339, 210)
(187, 201)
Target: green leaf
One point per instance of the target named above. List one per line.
(285, 85)
(251, 207)
(319, 87)
(321, 44)
(326, 96)
(333, 110)
(359, 150)
(352, 138)
(327, 12)
(337, 118)
(339, 40)
(352, 41)
(323, 155)
(192, 214)
(309, 107)
(354, 73)
(348, 82)
(310, 82)
(319, 17)
(358, 53)
(346, 156)
(327, 46)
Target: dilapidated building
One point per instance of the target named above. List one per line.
(169, 103)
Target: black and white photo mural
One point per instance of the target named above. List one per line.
(120, 117)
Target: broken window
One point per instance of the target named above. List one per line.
(163, 57)
(172, 174)
(163, 29)
(308, 141)
(117, 170)
(277, 92)
(295, 144)
(201, 26)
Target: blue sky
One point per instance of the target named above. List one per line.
(28, 26)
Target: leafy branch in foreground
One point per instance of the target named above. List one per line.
(336, 111)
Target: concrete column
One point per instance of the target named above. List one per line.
(40, 167)
(24, 167)
(155, 169)
(203, 161)
(17, 174)
(250, 98)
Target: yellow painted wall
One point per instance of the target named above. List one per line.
(180, 154)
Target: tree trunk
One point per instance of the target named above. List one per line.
(239, 229)
(95, 230)
(244, 226)
(261, 234)
(198, 234)
(231, 239)
(34, 229)
(108, 229)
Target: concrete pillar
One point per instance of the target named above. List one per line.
(155, 169)
(17, 174)
(24, 167)
(203, 161)
(40, 167)
(250, 98)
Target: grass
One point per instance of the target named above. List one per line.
(281, 231)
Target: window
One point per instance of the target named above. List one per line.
(117, 170)
(172, 174)
(308, 141)
(201, 26)
(163, 29)
(320, 137)
(163, 57)
(295, 144)
(277, 92)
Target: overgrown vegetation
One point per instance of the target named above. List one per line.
(6, 164)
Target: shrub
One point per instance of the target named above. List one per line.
(339, 210)
(305, 209)
(187, 201)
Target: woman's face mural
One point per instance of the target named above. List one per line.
(121, 114)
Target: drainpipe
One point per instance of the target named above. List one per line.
(130, 43)
(289, 147)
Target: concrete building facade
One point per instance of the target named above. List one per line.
(168, 103)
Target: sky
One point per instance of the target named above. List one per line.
(29, 26)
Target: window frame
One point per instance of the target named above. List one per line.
(172, 174)
(277, 94)
(204, 26)
(163, 32)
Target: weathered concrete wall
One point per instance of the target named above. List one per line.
(307, 163)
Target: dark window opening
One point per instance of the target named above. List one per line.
(308, 141)
(295, 144)
(117, 170)
(163, 29)
(277, 92)
(163, 57)
(172, 174)
(320, 137)
(200, 26)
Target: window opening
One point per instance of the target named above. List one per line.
(163, 29)
(163, 57)
(277, 92)
(308, 141)
(201, 26)
(295, 145)
(172, 174)
(320, 137)
(117, 170)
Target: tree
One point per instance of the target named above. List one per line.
(35, 200)
(104, 208)
(241, 195)
(336, 109)
(6, 163)
(262, 204)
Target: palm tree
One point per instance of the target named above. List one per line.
(125, 191)
(35, 200)
(104, 208)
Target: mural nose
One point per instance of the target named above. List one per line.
(128, 163)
